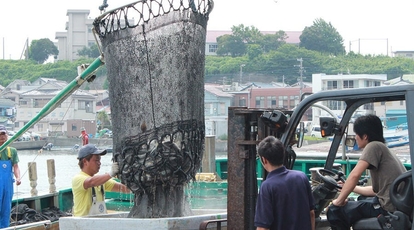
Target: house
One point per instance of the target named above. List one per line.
(78, 110)
(260, 95)
(216, 103)
(7, 112)
(42, 80)
(406, 54)
(323, 82)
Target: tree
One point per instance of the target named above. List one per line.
(270, 42)
(230, 45)
(40, 50)
(249, 35)
(322, 37)
(90, 52)
(103, 120)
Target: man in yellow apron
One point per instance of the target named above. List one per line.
(89, 189)
(8, 166)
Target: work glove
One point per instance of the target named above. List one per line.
(114, 169)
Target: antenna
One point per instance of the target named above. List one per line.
(25, 50)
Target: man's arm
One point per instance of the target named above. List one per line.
(96, 180)
(350, 183)
(365, 190)
(312, 216)
(260, 228)
(16, 171)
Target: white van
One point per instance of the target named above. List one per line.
(316, 131)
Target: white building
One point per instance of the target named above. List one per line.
(323, 82)
(78, 34)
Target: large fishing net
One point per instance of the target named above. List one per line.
(154, 52)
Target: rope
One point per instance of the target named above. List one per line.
(63, 117)
(96, 90)
(140, 12)
(150, 76)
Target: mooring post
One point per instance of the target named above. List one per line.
(33, 177)
(209, 158)
(51, 173)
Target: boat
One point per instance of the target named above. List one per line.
(25, 145)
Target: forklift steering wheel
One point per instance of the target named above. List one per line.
(329, 178)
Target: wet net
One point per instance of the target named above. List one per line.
(154, 53)
(168, 156)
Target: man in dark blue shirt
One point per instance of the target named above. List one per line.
(285, 200)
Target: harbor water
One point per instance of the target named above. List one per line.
(66, 166)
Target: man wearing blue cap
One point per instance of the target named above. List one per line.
(89, 189)
(8, 165)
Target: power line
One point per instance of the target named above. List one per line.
(301, 70)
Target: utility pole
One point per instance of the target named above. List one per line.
(241, 72)
(301, 70)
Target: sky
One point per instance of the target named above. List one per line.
(367, 26)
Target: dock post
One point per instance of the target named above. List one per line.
(209, 158)
(33, 177)
(51, 173)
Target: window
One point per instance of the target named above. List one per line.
(292, 102)
(212, 48)
(285, 102)
(208, 109)
(259, 102)
(40, 103)
(242, 101)
(369, 106)
(372, 83)
(74, 128)
(334, 105)
(222, 109)
(271, 101)
(85, 105)
(348, 84)
(332, 85)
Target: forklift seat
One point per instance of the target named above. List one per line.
(401, 195)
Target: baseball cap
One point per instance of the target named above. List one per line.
(3, 129)
(89, 149)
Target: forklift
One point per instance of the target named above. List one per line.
(248, 126)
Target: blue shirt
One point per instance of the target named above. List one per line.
(284, 201)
